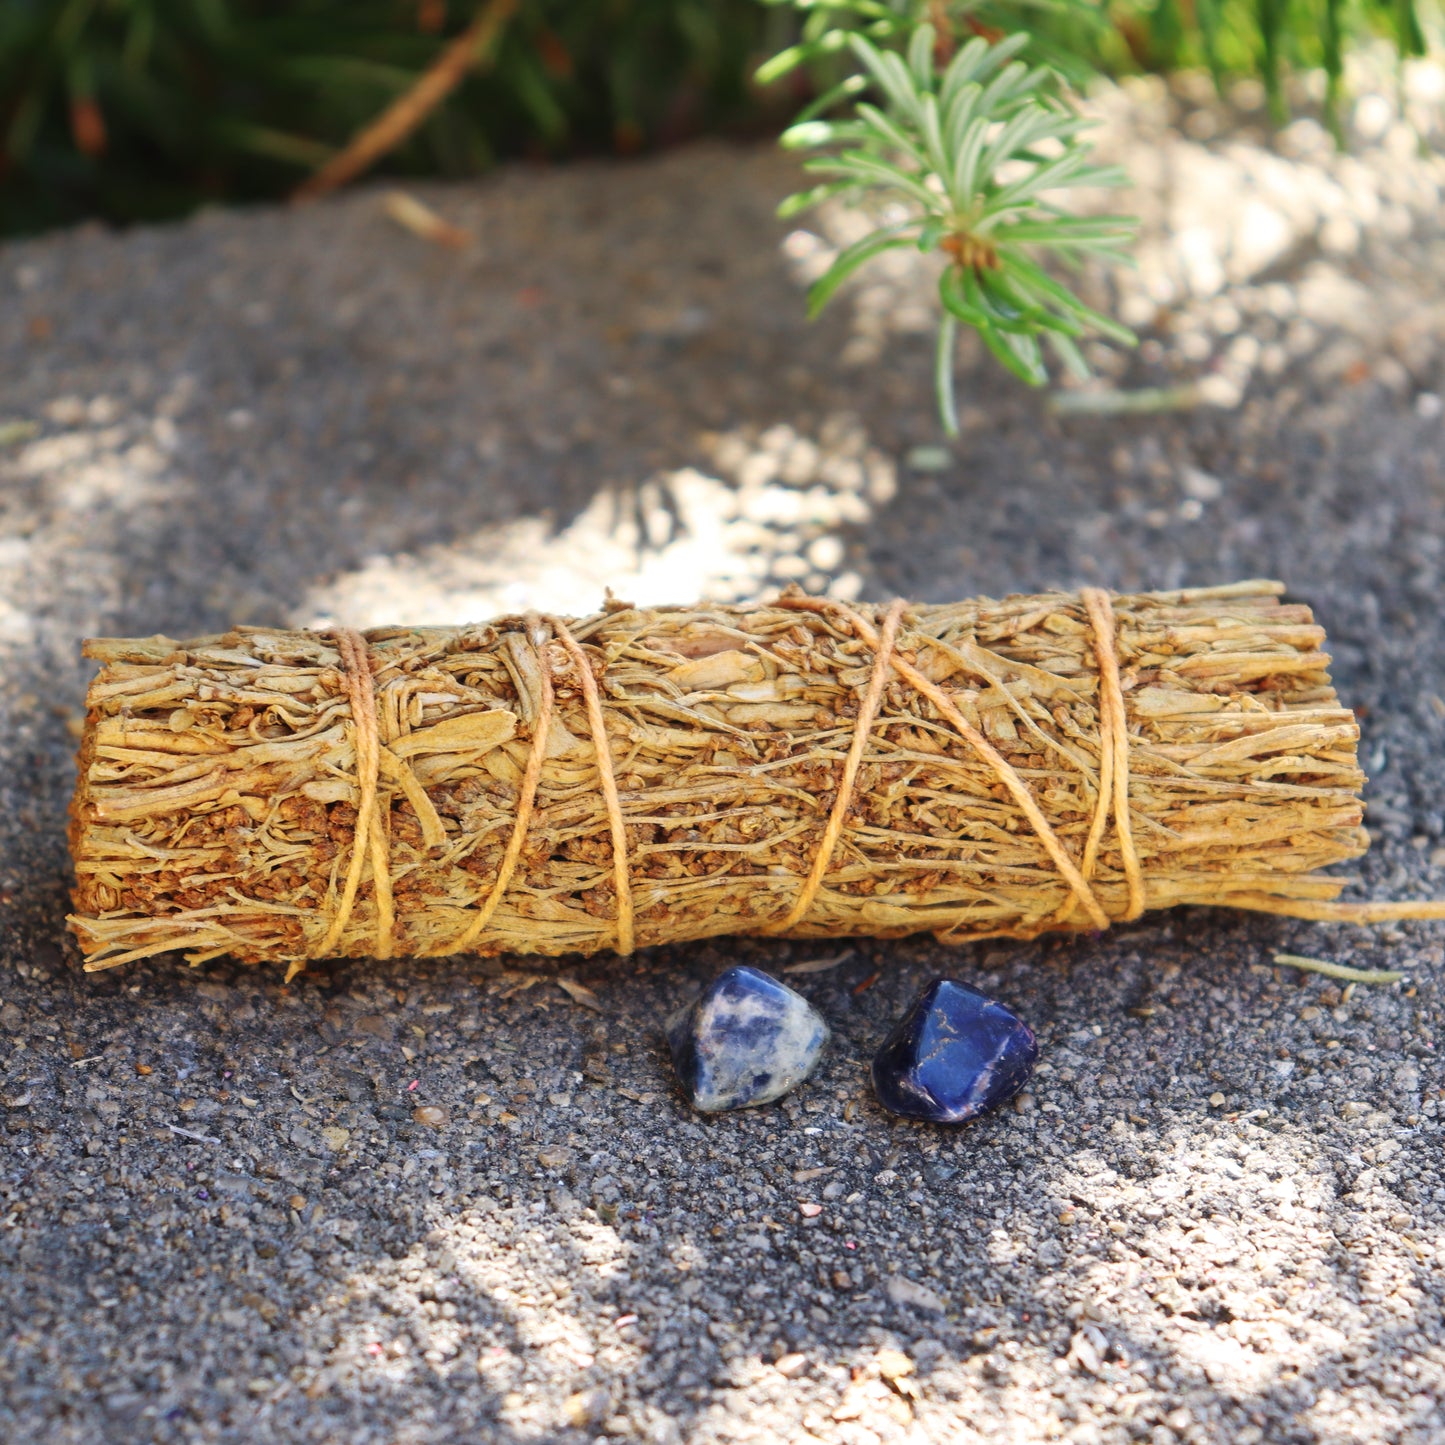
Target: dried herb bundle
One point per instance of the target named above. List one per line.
(800, 767)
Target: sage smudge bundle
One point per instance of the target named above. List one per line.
(800, 767)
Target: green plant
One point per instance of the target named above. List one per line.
(142, 109)
(134, 110)
(1256, 38)
(971, 145)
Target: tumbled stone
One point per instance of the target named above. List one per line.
(748, 1040)
(955, 1054)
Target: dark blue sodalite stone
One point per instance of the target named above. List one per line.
(748, 1040)
(956, 1054)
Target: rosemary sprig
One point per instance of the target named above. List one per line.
(973, 143)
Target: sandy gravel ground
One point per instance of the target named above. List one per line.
(1219, 1213)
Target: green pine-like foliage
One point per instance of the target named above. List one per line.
(975, 148)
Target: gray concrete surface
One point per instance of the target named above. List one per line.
(1218, 1215)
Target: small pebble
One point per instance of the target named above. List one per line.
(432, 1115)
(929, 459)
(585, 1408)
(894, 1364)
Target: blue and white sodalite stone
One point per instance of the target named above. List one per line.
(748, 1040)
(956, 1054)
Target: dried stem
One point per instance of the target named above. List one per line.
(408, 111)
(1339, 970)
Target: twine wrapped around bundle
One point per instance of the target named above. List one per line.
(651, 775)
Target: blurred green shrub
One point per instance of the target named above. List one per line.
(1263, 38)
(142, 109)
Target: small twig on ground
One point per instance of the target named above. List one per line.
(1124, 403)
(408, 111)
(580, 993)
(1339, 970)
(422, 221)
(820, 965)
(190, 1134)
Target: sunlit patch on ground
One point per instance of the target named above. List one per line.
(498, 1297)
(1235, 1272)
(782, 508)
(88, 462)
